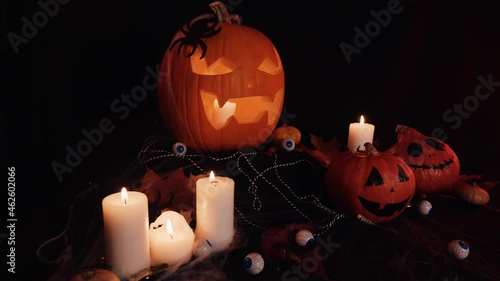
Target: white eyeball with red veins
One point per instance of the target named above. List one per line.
(424, 207)
(459, 249)
(179, 148)
(253, 263)
(304, 238)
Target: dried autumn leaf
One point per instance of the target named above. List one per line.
(149, 179)
(191, 184)
(474, 179)
(324, 151)
(279, 243)
(174, 192)
(488, 185)
(187, 215)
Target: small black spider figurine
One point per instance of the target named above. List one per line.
(194, 30)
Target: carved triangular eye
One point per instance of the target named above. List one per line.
(374, 178)
(203, 67)
(402, 177)
(271, 65)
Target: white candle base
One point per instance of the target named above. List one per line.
(215, 212)
(126, 233)
(359, 134)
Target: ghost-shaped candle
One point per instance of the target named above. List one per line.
(172, 240)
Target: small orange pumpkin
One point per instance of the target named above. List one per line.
(224, 85)
(95, 274)
(471, 193)
(373, 185)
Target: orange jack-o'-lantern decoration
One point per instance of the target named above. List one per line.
(224, 84)
(434, 163)
(376, 185)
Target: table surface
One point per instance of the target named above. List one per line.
(411, 247)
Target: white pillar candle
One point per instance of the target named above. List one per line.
(359, 134)
(215, 211)
(172, 240)
(126, 232)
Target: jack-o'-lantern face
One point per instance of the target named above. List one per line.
(434, 163)
(250, 96)
(375, 185)
(226, 93)
(379, 195)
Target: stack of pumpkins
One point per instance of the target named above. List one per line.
(376, 187)
(222, 89)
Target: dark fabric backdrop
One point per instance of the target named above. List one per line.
(63, 80)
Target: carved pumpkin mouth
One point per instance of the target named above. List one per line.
(245, 110)
(389, 209)
(442, 166)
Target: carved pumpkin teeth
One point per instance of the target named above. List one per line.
(232, 120)
(445, 165)
(384, 210)
(264, 120)
(218, 111)
(220, 102)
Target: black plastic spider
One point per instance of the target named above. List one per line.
(194, 31)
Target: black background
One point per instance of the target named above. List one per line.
(65, 78)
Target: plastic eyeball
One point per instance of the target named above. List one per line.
(288, 144)
(459, 249)
(253, 263)
(424, 207)
(179, 148)
(202, 248)
(304, 238)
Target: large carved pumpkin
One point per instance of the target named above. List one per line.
(434, 163)
(376, 185)
(224, 85)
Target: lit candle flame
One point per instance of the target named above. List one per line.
(362, 120)
(212, 176)
(170, 229)
(124, 195)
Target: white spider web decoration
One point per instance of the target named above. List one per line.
(256, 170)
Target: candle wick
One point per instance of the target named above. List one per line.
(125, 201)
(171, 236)
(214, 181)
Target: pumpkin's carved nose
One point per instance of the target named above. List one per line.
(393, 189)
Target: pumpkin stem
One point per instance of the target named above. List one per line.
(370, 149)
(401, 129)
(220, 12)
